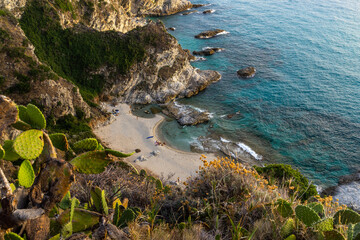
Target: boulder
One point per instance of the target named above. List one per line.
(247, 72)
(210, 33)
(172, 28)
(197, 5)
(206, 52)
(186, 115)
(216, 49)
(208, 11)
(189, 12)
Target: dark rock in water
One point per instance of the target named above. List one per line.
(186, 115)
(229, 116)
(210, 33)
(172, 28)
(208, 11)
(216, 49)
(350, 178)
(206, 52)
(189, 12)
(248, 72)
(197, 5)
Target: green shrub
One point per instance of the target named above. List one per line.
(284, 174)
(73, 54)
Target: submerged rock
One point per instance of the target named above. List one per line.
(172, 28)
(208, 11)
(210, 33)
(189, 12)
(248, 72)
(197, 5)
(186, 115)
(206, 52)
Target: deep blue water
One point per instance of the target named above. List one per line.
(303, 106)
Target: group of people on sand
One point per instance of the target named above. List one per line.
(158, 143)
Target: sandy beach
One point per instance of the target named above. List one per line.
(129, 132)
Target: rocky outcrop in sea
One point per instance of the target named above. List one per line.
(210, 33)
(247, 72)
(186, 115)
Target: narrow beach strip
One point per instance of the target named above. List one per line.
(129, 132)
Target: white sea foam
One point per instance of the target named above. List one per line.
(198, 59)
(349, 194)
(206, 48)
(222, 33)
(247, 149)
(224, 140)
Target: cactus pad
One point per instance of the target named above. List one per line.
(12, 236)
(99, 200)
(317, 207)
(37, 119)
(118, 154)
(116, 216)
(346, 216)
(284, 208)
(20, 125)
(288, 228)
(306, 215)
(59, 141)
(127, 216)
(91, 162)
(82, 219)
(100, 147)
(159, 184)
(143, 173)
(10, 154)
(356, 232)
(23, 115)
(88, 144)
(67, 230)
(324, 224)
(291, 237)
(333, 235)
(2, 152)
(66, 201)
(26, 174)
(29, 144)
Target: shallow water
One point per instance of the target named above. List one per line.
(303, 106)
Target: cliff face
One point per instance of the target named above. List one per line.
(164, 74)
(25, 79)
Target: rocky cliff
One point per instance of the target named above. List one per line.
(163, 75)
(25, 79)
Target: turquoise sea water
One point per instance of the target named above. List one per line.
(303, 106)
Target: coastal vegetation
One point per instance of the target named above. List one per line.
(96, 195)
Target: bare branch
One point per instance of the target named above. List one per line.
(5, 189)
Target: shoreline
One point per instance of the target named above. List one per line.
(129, 132)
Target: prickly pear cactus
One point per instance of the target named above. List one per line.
(10, 153)
(59, 141)
(91, 162)
(288, 228)
(116, 216)
(333, 235)
(346, 216)
(143, 173)
(23, 114)
(356, 232)
(100, 147)
(29, 144)
(26, 174)
(324, 225)
(159, 184)
(291, 237)
(12, 236)
(306, 215)
(66, 201)
(127, 216)
(99, 200)
(88, 144)
(20, 125)
(37, 119)
(284, 208)
(317, 207)
(2, 152)
(82, 219)
(118, 154)
(67, 230)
